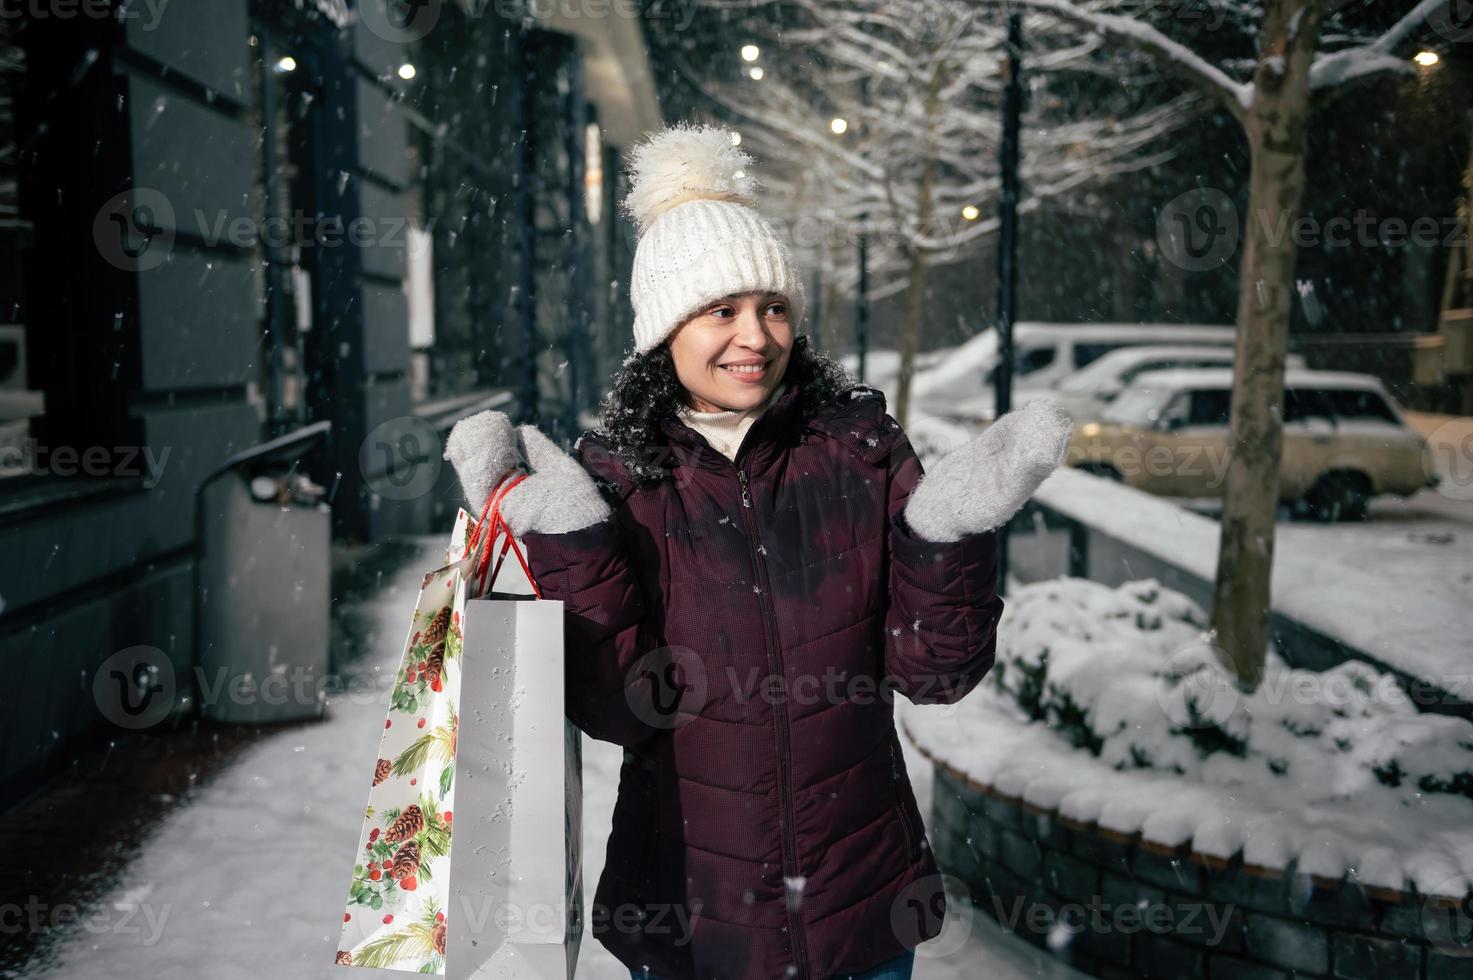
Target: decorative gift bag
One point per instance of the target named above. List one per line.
(398, 900)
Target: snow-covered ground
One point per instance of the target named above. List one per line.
(248, 879)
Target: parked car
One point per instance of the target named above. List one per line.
(961, 385)
(1085, 393)
(1345, 440)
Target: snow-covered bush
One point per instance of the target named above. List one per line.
(1130, 675)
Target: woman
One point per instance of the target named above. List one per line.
(757, 566)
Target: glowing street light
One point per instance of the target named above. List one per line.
(1426, 58)
(756, 73)
(971, 213)
(285, 63)
(839, 125)
(406, 71)
(750, 52)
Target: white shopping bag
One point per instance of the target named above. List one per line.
(516, 882)
(517, 887)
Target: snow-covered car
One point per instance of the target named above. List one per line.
(1085, 393)
(881, 366)
(961, 385)
(1345, 440)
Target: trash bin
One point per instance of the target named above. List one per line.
(263, 573)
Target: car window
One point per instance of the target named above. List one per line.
(1030, 359)
(1210, 406)
(1128, 375)
(1138, 405)
(1303, 404)
(1088, 353)
(1350, 403)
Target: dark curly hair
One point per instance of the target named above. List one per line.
(647, 391)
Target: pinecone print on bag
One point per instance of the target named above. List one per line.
(437, 934)
(382, 771)
(406, 861)
(435, 667)
(345, 958)
(435, 635)
(410, 822)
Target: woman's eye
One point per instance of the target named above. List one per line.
(777, 309)
(721, 311)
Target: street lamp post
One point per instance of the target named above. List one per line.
(861, 298)
(1007, 246)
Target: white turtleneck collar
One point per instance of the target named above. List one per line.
(725, 430)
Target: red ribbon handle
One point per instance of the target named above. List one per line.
(495, 524)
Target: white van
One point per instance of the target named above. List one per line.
(1084, 394)
(960, 386)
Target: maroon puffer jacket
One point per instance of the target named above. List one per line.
(730, 626)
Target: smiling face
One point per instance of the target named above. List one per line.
(732, 354)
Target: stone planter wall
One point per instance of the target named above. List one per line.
(1142, 911)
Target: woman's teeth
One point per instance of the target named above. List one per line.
(744, 368)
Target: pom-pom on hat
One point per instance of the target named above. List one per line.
(700, 236)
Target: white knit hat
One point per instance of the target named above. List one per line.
(700, 238)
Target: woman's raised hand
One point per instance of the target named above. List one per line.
(559, 494)
(979, 486)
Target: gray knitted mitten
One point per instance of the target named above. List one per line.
(558, 496)
(979, 486)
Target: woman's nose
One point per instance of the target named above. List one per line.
(751, 331)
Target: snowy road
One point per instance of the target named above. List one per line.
(248, 878)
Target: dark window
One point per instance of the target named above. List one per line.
(1085, 353)
(1210, 407)
(1031, 359)
(1349, 403)
(1305, 403)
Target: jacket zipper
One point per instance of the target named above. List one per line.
(790, 848)
(905, 824)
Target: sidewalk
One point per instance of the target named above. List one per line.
(243, 873)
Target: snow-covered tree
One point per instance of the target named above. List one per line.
(917, 85)
(1305, 52)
